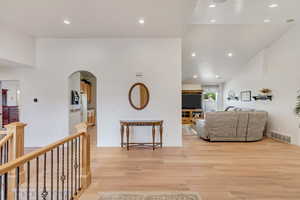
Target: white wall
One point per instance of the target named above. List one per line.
(114, 62)
(276, 68)
(16, 49)
(190, 86)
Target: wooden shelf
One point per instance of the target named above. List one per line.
(189, 115)
(263, 97)
(191, 91)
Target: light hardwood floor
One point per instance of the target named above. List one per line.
(265, 170)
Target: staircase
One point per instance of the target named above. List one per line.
(59, 171)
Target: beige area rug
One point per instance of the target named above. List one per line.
(149, 196)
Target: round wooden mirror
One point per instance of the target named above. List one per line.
(139, 96)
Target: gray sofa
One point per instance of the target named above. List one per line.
(232, 126)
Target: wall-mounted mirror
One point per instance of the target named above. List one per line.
(139, 96)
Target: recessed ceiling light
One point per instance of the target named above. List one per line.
(212, 6)
(142, 21)
(274, 5)
(230, 54)
(212, 21)
(66, 21)
(193, 54)
(267, 20)
(195, 76)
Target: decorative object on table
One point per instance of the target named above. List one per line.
(297, 108)
(246, 96)
(125, 127)
(232, 96)
(139, 96)
(265, 94)
(149, 196)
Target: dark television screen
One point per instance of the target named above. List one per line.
(191, 101)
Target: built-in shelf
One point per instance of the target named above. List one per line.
(189, 115)
(263, 97)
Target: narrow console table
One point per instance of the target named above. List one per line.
(126, 124)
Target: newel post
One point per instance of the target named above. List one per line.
(17, 129)
(86, 155)
(16, 150)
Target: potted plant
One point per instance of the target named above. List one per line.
(265, 91)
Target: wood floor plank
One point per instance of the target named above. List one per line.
(264, 170)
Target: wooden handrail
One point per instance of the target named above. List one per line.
(5, 139)
(13, 170)
(13, 147)
(3, 132)
(22, 160)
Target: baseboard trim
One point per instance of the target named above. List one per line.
(280, 137)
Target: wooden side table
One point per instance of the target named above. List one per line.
(126, 124)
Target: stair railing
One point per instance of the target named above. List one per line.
(58, 171)
(11, 148)
(12, 142)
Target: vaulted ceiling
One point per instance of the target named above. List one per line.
(240, 27)
(210, 28)
(212, 43)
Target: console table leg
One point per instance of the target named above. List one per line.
(127, 135)
(153, 137)
(122, 136)
(161, 135)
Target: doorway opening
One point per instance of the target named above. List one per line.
(82, 100)
(9, 102)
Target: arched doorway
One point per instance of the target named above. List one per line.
(82, 100)
(9, 102)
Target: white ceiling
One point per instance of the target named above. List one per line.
(97, 18)
(245, 11)
(212, 43)
(239, 26)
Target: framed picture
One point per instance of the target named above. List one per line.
(246, 95)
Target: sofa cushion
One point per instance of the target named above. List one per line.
(232, 126)
(247, 109)
(222, 124)
(229, 108)
(256, 125)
